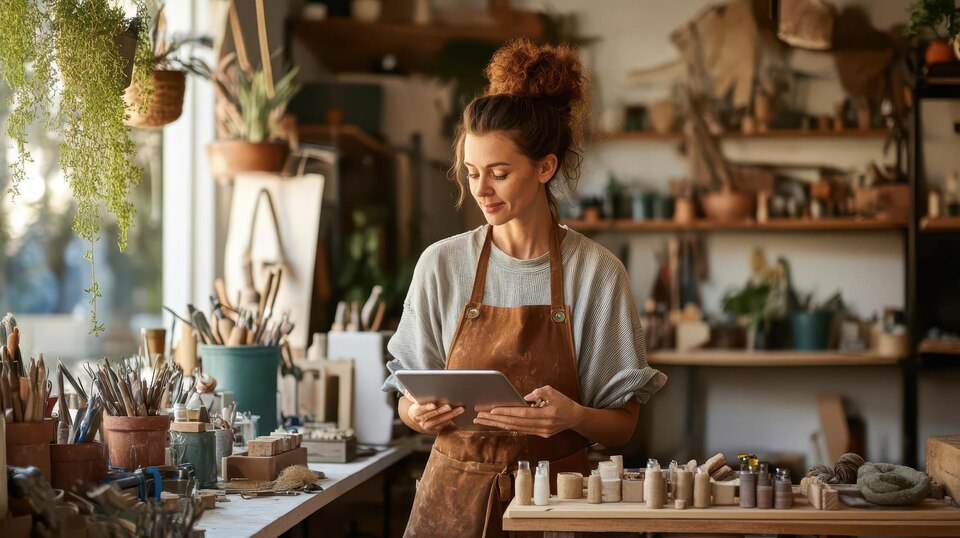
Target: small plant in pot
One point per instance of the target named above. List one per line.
(938, 22)
(763, 303)
(252, 128)
(811, 324)
(158, 100)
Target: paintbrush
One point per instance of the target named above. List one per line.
(61, 400)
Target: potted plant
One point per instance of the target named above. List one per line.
(763, 303)
(67, 63)
(811, 324)
(251, 131)
(938, 21)
(158, 100)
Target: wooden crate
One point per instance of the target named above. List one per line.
(263, 467)
(943, 462)
(343, 451)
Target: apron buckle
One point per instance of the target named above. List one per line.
(473, 312)
(559, 316)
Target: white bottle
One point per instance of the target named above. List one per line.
(541, 487)
(318, 349)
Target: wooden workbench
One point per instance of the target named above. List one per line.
(272, 516)
(931, 518)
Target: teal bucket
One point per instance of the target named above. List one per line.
(250, 372)
(811, 330)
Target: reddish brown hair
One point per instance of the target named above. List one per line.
(537, 97)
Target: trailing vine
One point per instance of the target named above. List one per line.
(78, 38)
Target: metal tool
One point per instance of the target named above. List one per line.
(256, 494)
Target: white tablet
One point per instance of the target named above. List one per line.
(474, 390)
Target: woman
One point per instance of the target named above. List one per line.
(476, 302)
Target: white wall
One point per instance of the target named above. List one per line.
(769, 410)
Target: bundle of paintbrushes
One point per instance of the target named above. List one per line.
(24, 394)
(124, 393)
(250, 325)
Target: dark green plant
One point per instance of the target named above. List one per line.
(750, 302)
(70, 45)
(940, 17)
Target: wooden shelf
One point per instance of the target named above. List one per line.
(796, 225)
(939, 347)
(941, 224)
(650, 136)
(346, 44)
(736, 357)
(334, 135)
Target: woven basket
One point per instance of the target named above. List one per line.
(167, 102)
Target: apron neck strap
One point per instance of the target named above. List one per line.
(556, 268)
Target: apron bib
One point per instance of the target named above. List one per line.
(468, 480)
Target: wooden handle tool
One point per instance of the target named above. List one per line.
(222, 296)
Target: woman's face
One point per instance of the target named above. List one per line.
(504, 182)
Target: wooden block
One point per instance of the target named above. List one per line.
(830, 499)
(265, 446)
(722, 474)
(943, 462)
(189, 427)
(833, 421)
(341, 451)
(680, 504)
(632, 491)
(815, 495)
(169, 500)
(263, 467)
(208, 499)
(692, 335)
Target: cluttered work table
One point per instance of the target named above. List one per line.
(273, 516)
(930, 518)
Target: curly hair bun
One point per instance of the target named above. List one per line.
(521, 68)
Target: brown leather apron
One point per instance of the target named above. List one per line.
(467, 482)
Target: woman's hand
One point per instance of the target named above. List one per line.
(432, 419)
(558, 414)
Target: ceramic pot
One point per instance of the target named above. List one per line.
(729, 206)
(28, 444)
(135, 442)
(811, 330)
(661, 116)
(76, 466)
(231, 157)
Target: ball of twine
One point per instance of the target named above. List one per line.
(844, 472)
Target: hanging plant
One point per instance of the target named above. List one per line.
(160, 102)
(86, 49)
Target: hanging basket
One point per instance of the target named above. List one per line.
(166, 104)
(231, 157)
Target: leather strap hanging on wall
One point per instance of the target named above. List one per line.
(250, 294)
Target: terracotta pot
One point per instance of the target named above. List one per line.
(166, 103)
(729, 206)
(78, 465)
(28, 443)
(231, 157)
(938, 52)
(135, 442)
(956, 46)
(661, 116)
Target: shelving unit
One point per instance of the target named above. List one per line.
(735, 357)
(938, 347)
(941, 224)
(774, 225)
(651, 136)
(346, 44)
(933, 259)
